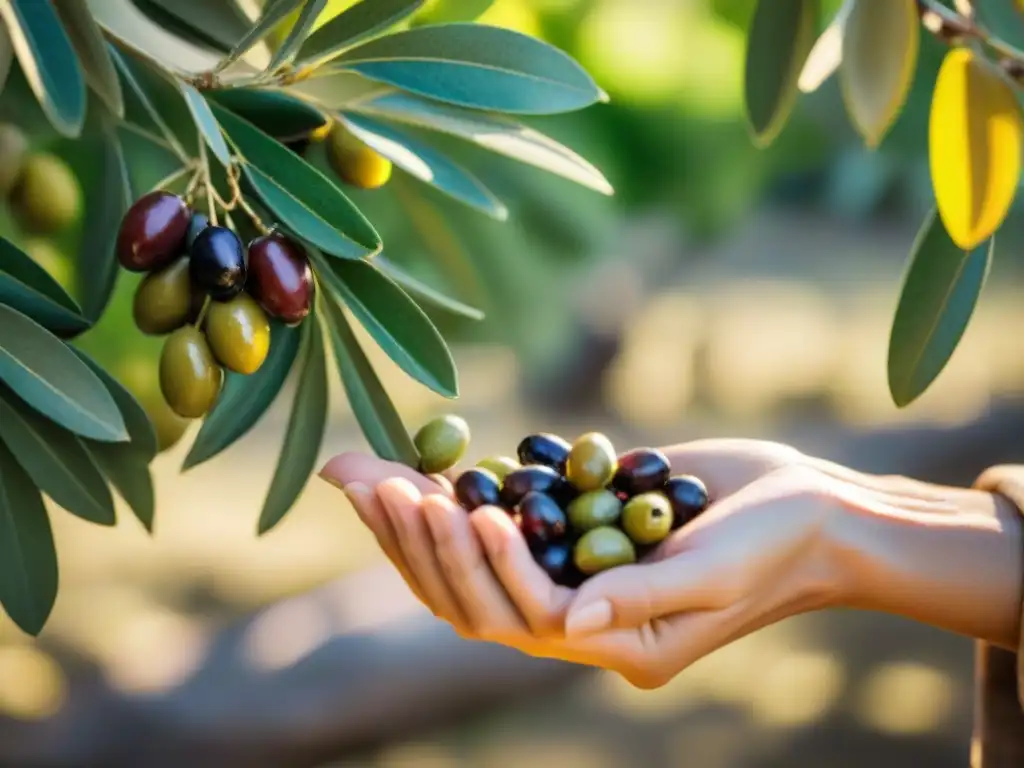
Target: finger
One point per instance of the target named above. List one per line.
(403, 503)
(541, 602)
(486, 606)
(370, 471)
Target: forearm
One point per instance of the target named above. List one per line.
(959, 570)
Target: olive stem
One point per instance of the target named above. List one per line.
(202, 313)
(175, 148)
(211, 193)
(190, 190)
(256, 220)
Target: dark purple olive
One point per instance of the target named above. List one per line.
(217, 263)
(543, 521)
(557, 562)
(520, 482)
(641, 470)
(196, 224)
(545, 449)
(688, 496)
(280, 277)
(152, 232)
(477, 488)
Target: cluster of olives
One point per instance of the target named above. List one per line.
(581, 508)
(209, 294)
(43, 193)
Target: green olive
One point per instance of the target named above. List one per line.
(13, 148)
(592, 463)
(190, 377)
(647, 518)
(169, 426)
(46, 197)
(239, 333)
(52, 259)
(441, 443)
(499, 466)
(356, 163)
(163, 299)
(602, 548)
(594, 509)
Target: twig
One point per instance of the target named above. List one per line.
(953, 28)
(210, 191)
(158, 140)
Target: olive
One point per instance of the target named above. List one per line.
(152, 232)
(354, 162)
(190, 378)
(48, 256)
(594, 509)
(13, 149)
(477, 488)
(542, 520)
(591, 463)
(169, 426)
(688, 496)
(239, 333)
(499, 465)
(47, 197)
(196, 224)
(641, 470)
(543, 448)
(521, 481)
(163, 299)
(602, 548)
(299, 145)
(647, 518)
(279, 277)
(441, 443)
(217, 262)
(556, 561)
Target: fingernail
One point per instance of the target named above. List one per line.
(589, 619)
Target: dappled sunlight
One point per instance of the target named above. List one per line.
(32, 683)
(798, 689)
(906, 698)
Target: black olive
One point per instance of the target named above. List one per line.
(542, 520)
(641, 470)
(546, 449)
(477, 488)
(520, 482)
(557, 561)
(688, 496)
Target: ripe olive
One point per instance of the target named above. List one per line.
(217, 263)
(477, 488)
(542, 520)
(641, 470)
(521, 481)
(594, 509)
(152, 232)
(163, 299)
(47, 197)
(196, 224)
(279, 277)
(13, 149)
(499, 465)
(556, 561)
(543, 448)
(602, 548)
(354, 162)
(591, 463)
(441, 443)
(239, 333)
(688, 496)
(190, 378)
(647, 518)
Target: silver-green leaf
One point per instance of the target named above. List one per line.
(297, 35)
(352, 26)
(206, 123)
(273, 14)
(28, 288)
(88, 41)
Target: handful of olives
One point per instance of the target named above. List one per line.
(582, 508)
(209, 294)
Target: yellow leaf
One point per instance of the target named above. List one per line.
(880, 44)
(974, 147)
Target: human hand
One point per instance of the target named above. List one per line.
(784, 535)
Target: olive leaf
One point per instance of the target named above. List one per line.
(28, 558)
(305, 431)
(141, 432)
(443, 11)
(151, 96)
(307, 17)
(129, 473)
(206, 123)
(426, 292)
(88, 42)
(274, 13)
(272, 110)
(6, 56)
(351, 26)
(218, 24)
(29, 288)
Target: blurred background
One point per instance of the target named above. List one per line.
(723, 291)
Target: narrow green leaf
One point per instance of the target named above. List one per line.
(304, 198)
(130, 475)
(28, 288)
(305, 431)
(493, 132)
(6, 56)
(334, 89)
(394, 321)
(244, 399)
(141, 432)
(48, 376)
(353, 25)
(142, 88)
(297, 35)
(445, 11)
(271, 110)
(108, 196)
(28, 558)
(376, 414)
(56, 461)
(940, 290)
(477, 66)
(781, 35)
(207, 123)
(48, 61)
(426, 292)
(273, 14)
(88, 42)
(426, 164)
(218, 24)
